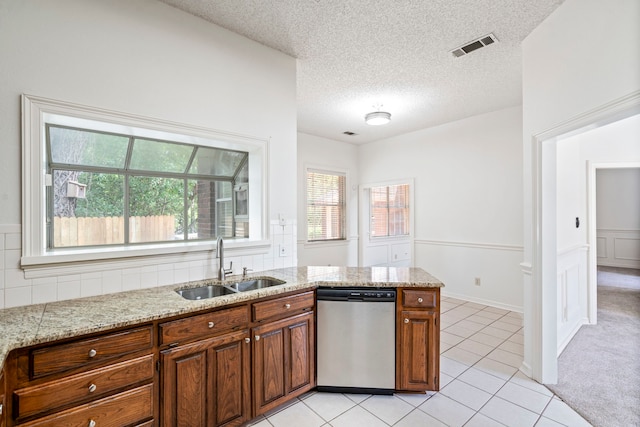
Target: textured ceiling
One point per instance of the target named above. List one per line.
(353, 55)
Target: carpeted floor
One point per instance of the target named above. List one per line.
(599, 371)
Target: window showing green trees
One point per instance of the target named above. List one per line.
(121, 189)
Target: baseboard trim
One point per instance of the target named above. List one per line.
(491, 303)
(574, 331)
(525, 368)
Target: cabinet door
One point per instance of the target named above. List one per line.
(419, 350)
(230, 387)
(207, 383)
(283, 361)
(299, 336)
(184, 385)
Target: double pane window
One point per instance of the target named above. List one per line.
(114, 189)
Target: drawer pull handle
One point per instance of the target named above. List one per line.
(92, 352)
(211, 325)
(406, 320)
(420, 300)
(1, 405)
(247, 340)
(287, 306)
(92, 388)
(257, 337)
(92, 423)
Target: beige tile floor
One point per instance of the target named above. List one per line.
(480, 385)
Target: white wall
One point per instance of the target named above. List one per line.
(579, 59)
(618, 202)
(611, 150)
(467, 201)
(147, 58)
(334, 155)
(618, 213)
(618, 216)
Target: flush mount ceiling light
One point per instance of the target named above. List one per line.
(377, 118)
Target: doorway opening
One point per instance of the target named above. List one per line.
(541, 322)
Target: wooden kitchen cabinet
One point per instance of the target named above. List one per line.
(283, 360)
(207, 383)
(2, 404)
(418, 339)
(105, 380)
(206, 378)
(283, 354)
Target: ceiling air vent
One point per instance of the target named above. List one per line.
(349, 133)
(474, 45)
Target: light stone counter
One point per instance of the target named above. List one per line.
(35, 324)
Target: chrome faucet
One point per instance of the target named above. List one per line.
(222, 272)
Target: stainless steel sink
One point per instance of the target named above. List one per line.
(204, 292)
(211, 291)
(250, 285)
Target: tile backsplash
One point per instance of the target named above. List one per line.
(15, 290)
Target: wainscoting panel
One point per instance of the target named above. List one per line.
(572, 293)
(618, 248)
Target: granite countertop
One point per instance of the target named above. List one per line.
(40, 323)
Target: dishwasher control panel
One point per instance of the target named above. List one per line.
(361, 294)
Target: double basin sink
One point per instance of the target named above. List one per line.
(211, 291)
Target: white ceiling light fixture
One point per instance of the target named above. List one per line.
(377, 118)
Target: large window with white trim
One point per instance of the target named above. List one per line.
(99, 184)
(326, 205)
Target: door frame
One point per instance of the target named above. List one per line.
(540, 299)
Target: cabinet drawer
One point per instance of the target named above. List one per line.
(62, 357)
(203, 325)
(76, 388)
(419, 298)
(123, 409)
(282, 307)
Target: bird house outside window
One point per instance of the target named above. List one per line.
(77, 190)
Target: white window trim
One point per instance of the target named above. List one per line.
(396, 236)
(412, 204)
(330, 171)
(35, 255)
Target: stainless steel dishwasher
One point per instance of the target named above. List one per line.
(356, 340)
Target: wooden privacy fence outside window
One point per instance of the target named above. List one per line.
(73, 231)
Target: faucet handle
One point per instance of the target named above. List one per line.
(230, 269)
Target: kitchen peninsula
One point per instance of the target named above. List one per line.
(83, 359)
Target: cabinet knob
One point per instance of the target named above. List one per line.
(406, 320)
(247, 340)
(420, 300)
(257, 337)
(211, 325)
(92, 352)
(92, 423)
(92, 388)
(287, 306)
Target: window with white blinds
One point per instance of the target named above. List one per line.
(325, 205)
(390, 211)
